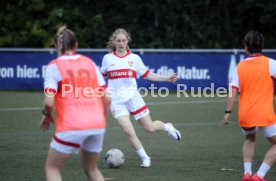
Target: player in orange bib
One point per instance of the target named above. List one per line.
(254, 78)
(74, 85)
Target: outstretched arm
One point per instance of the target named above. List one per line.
(156, 77)
(231, 99)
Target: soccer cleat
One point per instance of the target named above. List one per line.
(246, 177)
(146, 163)
(255, 177)
(173, 132)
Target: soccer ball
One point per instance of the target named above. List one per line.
(114, 158)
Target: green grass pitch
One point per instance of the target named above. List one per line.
(207, 151)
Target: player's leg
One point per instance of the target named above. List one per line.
(270, 157)
(90, 152)
(140, 112)
(153, 126)
(89, 163)
(248, 151)
(127, 126)
(62, 146)
(121, 113)
(54, 163)
(129, 131)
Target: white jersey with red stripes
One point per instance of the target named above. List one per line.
(122, 72)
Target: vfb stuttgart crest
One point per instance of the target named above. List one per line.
(130, 63)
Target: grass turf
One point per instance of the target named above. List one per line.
(207, 152)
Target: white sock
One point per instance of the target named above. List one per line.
(142, 153)
(263, 170)
(166, 127)
(247, 168)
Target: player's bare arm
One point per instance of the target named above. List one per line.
(47, 117)
(230, 103)
(156, 77)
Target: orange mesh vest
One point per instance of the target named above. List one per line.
(78, 107)
(256, 93)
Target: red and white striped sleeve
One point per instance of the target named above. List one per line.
(142, 70)
(52, 78)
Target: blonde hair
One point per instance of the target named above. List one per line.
(65, 40)
(110, 43)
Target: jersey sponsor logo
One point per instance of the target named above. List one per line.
(121, 73)
(112, 65)
(130, 73)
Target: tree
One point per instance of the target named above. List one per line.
(152, 23)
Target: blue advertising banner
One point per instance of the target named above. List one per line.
(26, 70)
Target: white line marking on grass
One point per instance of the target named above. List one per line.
(185, 102)
(20, 109)
(149, 103)
(114, 128)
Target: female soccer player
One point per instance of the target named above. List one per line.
(254, 78)
(121, 68)
(73, 84)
